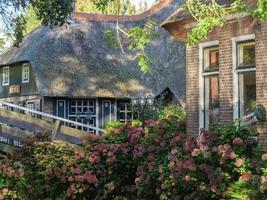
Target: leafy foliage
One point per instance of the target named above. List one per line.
(173, 110)
(210, 15)
(129, 162)
(32, 21)
(138, 38)
(114, 7)
(49, 12)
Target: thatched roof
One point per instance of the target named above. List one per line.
(75, 61)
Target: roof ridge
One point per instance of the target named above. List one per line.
(111, 18)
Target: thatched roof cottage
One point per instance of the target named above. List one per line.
(71, 70)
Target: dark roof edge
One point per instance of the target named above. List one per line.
(14, 63)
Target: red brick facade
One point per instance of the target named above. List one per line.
(261, 76)
(224, 36)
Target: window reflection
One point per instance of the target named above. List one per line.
(247, 93)
(212, 102)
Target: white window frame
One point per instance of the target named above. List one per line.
(8, 76)
(25, 66)
(202, 75)
(236, 71)
(36, 106)
(80, 116)
(125, 112)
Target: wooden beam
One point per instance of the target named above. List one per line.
(53, 117)
(56, 128)
(29, 123)
(13, 132)
(25, 121)
(6, 148)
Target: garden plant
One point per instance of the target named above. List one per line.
(129, 162)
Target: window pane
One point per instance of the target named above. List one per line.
(129, 116)
(85, 103)
(5, 75)
(247, 93)
(25, 73)
(211, 58)
(246, 54)
(85, 109)
(121, 116)
(91, 103)
(122, 106)
(124, 112)
(73, 103)
(212, 102)
(79, 110)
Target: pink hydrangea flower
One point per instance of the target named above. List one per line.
(239, 162)
(238, 141)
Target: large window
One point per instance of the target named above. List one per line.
(209, 90)
(83, 111)
(246, 68)
(125, 113)
(25, 73)
(5, 76)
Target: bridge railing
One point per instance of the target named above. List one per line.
(18, 124)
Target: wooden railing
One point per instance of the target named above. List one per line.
(49, 116)
(17, 125)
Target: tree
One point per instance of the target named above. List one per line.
(116, 7)
(209, 15)
(49, 12)
(32, 20)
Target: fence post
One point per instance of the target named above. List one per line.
(56, 129)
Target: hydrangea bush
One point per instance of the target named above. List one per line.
(129, 162)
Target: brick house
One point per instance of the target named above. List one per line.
(225, 74)
(70, 71)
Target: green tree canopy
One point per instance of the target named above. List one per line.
(116, 7)
(209, 15)
(48, 12)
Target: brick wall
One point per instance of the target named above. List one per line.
(192, 90)
(224, 36)
(261, 76)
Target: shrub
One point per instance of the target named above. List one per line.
(129, 162)
(173, 110)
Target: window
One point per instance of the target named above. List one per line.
(83, 111)
(211, 59)
(125, 113)
(246, 75)
(25, 73)
(5, 76)
(246, 54)
(33, 105)
(209, 84)
(4, 140)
